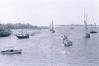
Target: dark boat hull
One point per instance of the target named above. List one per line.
(23, 37)
(12, 52)
(4, 33)
(87, 35)
(52, 31)
(92, 32)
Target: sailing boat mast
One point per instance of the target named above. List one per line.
(87, 35)
(52, 27)
(85, 22)
(93, 31)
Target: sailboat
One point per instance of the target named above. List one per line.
(87, 34)
(93, 31)
(52, 27)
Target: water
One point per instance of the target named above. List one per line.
(46, 49)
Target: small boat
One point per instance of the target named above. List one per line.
(53, 31)
(67, 42)
(11, 51)
(52, 28)
(87, 34)
(22, 36)
(93, 31)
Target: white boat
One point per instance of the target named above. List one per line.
(67, 42)
(11, 51)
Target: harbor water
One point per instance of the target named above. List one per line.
(46, 49)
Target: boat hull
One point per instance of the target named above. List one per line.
(92, 32)
(87, 35)
(67, 43)
(11, 52)
(4, 33)
(52, 31)
(22, 37)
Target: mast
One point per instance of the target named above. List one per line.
(87, 35)
(85, 22)
(52, 25)
(95, 24)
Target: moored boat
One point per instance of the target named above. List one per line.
(52, 28)
(93, 30)
(22, 36)
(87, 34)
(4, 32)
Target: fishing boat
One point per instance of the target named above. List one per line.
(93, 30)
(22, 36)
(52, 27)
(87, 34)
(4, 32)
(67, 42)
(11, 51)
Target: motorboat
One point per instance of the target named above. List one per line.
(11, 51)
(67, 42)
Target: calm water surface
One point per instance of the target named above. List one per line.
(46, 49)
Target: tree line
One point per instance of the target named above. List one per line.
(21, 26)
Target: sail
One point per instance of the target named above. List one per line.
(93, 28)
(87, 35)
(85, 22)
(52, 27)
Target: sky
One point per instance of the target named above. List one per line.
(42, 12)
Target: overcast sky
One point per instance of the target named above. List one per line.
(41, 12)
